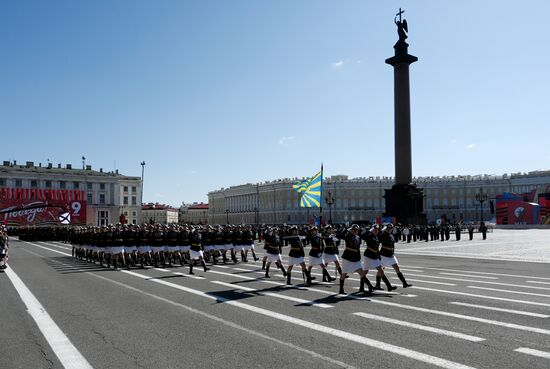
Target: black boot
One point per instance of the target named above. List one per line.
(283, 270)
(341, 292)
(367, 282)
(288, 277)
(308, 277)
(378, 280)
(361, 285)
(402, 279)
(263, 264)
(388, 284)
(206, 269)
(191, 267)
(267, 272)
(340, 272)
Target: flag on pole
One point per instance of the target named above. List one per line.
(300, 186)
(311, 194)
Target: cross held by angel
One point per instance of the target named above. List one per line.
(402, 27)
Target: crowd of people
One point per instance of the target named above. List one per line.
(4, 243)
(137, 246)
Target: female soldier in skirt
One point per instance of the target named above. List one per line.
(371, 259)
(248, 243)
(296, 256)
(273, 251)
(316, 254)
(330, 253)
(351, 260)
(387, 250)
(195, 252)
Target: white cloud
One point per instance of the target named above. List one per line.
(359, 61)
(470, 146)
(338, 64)
(454, 141)
(286, 140)
(193, 172)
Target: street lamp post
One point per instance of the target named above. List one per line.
(481, 198)
(227, 216)
(329, 199)
(142, 175)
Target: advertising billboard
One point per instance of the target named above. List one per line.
(36, 207)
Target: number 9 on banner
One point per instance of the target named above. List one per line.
(76, 206)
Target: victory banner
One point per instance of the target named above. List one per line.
(37, 207)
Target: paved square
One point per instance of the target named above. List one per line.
(531, 245)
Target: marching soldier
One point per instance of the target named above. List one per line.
(330, 253)
(387, 256)
(351, 260)
(371, 258)
(296, 256)
(196, 252)
(273, 251)
(316, 254)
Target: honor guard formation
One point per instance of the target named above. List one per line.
(157, 245)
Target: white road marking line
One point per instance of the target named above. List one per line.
(379, 345)
(482, 296)
(430, 282)
(465, 317)
(480, 282)
(56, 245)
(517, 312)
(188, 275)
(309, 288)
(528, 351)
(475, 256)
(421, 327)
(276, 295)
(213, 317)
(509, 291)
(467, 275)
(47, 248)
(65, 351)
(178, 273)
(538, 282)
(486, 273)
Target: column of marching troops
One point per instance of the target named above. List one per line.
(159, 245)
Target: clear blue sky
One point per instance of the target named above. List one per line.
(218, 93)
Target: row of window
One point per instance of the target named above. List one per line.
(34, 183)
(126, 188)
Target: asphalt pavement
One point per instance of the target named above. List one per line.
(461, 313)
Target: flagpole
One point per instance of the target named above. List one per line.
(321, 199)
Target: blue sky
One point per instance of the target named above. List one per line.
(218, 93)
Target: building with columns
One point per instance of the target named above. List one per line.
(362, 199)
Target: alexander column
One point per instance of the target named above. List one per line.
(404, 199)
